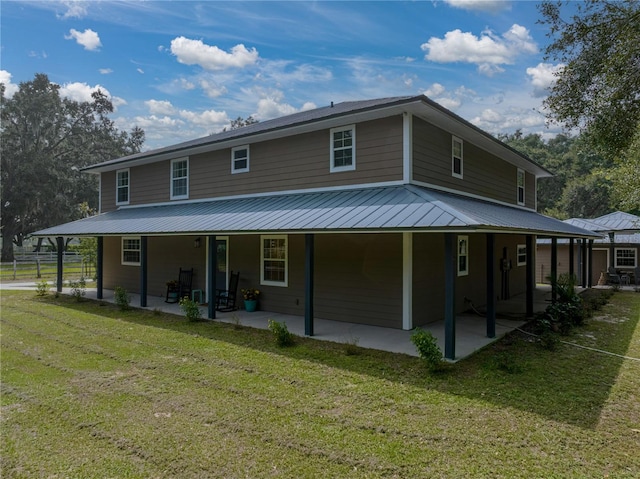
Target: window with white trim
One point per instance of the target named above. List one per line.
(457, 157)
(521, 254)
(343, 149)
(626, 257)
(520, 182)
(240, 159)
(122, 187)
(180, 179)
(463, 255)
(130, 251)
(273, 259)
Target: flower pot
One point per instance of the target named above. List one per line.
(250, 305)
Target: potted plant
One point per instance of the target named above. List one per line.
(172, 291)
(250, 296)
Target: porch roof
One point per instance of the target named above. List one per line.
(373, 209)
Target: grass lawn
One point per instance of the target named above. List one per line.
(90, 391)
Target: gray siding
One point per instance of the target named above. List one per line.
(483, 174)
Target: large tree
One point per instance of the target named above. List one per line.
(598, 89)
(46, 140)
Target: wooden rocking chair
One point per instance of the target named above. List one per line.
(226, 298)
(185, 280)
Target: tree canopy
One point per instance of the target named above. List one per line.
(46, 140)
(598, 89)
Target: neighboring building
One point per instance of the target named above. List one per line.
(392, 212)
(618, 248)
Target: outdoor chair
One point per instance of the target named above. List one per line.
(226, 298)
(183, 288)
(612, 276)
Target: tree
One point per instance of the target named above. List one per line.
(598, 89)
(46, 140)
(240, 122)
(625, 177)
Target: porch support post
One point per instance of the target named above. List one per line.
(212, 254)
(143, 271)
(571, 258)
(530, 272)
(491, 295)
(583, 251)
(407, 281)
(612, 250)
(449, 297)
(60, 246)
(590, 263)
(99, 266)
(554, 268)
(308, 284)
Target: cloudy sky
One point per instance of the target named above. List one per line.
(182, 70)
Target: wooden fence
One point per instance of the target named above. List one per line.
(44, 265)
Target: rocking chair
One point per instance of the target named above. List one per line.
(226, 298)
(183, 288)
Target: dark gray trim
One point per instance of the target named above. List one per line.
(99, 267)
(144, 267)
(530, 279)
(60, 257)
(211, 274)
(554, 269)
(308, 284)
(491, 295)
(449, 296)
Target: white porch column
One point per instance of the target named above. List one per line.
(407, 281)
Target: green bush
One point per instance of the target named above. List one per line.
(280, 332)
(78, 289)
(121, 298)
(191, 309)
(427, 347)
(42, 288)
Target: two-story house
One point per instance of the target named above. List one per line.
(392, 212)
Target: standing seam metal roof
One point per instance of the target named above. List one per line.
(374, 209)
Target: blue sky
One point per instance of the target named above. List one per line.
(182, 70)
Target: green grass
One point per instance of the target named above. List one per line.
(92, 391)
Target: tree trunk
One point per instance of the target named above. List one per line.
(7, 244)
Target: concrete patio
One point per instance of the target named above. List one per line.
(470, 327)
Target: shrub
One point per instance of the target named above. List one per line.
(427, 347)
(282, 335)
(42, 288)
(121, 298)
(78, 288)
(191, 309)
(351, 347)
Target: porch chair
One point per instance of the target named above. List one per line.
(185, 280)
(612, 276)
(226, 298)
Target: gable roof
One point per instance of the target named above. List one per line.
(373, 209)
(619, 221)
(328, 117)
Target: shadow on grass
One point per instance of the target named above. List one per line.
(570, 385)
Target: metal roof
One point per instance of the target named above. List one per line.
(619, 221)
(373, 209)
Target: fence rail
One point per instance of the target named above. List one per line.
(44, 265)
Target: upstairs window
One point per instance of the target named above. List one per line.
(343, 149)
(239, 159)
(180, 179)
(122, 187)
(463, 255)
(626, 258)
(457, 158)
(131, 251)
(273, 257)
(520, 186)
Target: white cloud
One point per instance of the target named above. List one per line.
(160, 107)
(105, 71)
(75, 9)
(487, 51)
(195, 52)
(9, 88)
(210, 119)
(491, 6)
(81, 92)
(212, 89)
(452, 100)
(543, 76)
(88, 39)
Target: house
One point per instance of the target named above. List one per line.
(393, 212)
(617, 248)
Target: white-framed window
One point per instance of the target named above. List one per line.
(273, 259)
(521, 254)
(457, 157)
(463, 255)
(626, 257)
(520, 182)
(343, 149)
(130, 251)
(122, 187)
(180, 179)
(240, 159)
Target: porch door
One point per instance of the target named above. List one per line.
(600, 264)
(222, 257)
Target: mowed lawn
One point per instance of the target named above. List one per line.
(89, 391)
